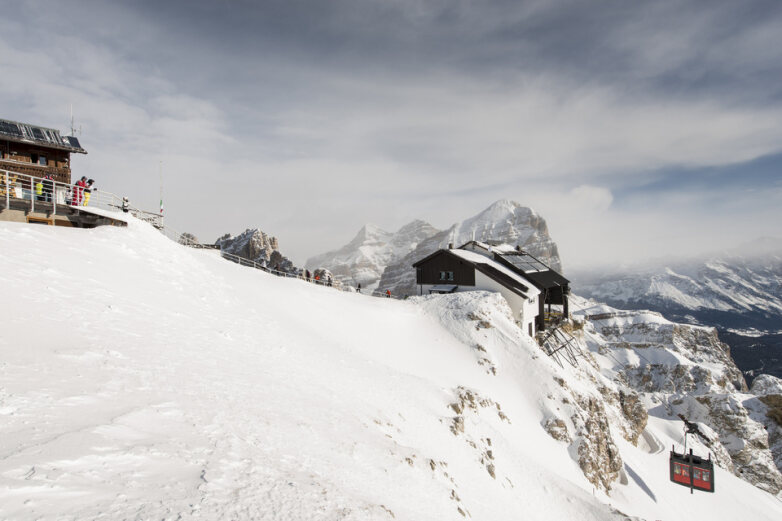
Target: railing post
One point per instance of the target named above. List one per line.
(7, 191)
(53, 196)
(32, 194)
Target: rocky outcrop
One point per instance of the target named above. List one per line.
(598, 455)
(188, 239)
(259, 247)
(766, 384)
(743, 436)
(689, 371)
(673, 358)
(506, 221)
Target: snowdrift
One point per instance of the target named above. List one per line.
(141, 379)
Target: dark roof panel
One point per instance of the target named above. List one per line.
(47, 137)
(533, 269)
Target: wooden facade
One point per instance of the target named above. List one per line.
(36, 151)
(430, 269)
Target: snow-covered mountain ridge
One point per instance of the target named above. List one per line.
(739, 292)
(167, 383)
(743, 292)
(363, 259)
(386, 259)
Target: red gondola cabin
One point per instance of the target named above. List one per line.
(692, 471)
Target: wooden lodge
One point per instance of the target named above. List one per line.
(29, 153)
(37, 151)
(529, 286)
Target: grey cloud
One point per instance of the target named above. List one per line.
(309, 118)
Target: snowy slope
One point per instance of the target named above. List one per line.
(141, 379)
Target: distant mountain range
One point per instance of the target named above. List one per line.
(738, 291)
(384, 261)
(363, 260)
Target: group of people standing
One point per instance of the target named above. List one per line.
(80, 192)
(313, 277)
(44, 188)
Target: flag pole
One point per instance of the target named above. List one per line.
(160, 170)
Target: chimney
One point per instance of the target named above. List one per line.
(450, 245)
(518, 247)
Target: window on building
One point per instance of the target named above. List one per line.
(34, 158)
(42, 160)
(446, 275)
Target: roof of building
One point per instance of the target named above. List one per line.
(533, 269)
(489, 246)
(42, 136)
(497, 272)
(521, 262)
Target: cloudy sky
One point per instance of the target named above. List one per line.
(636, 129)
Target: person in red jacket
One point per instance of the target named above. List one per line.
(78, 190)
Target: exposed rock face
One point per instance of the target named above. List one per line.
(766, 384)
(583, 410)
(259, 247)
(744, 437)
(676, 357)
(504, 220)
(363, 260)
(598, 455)
(773, 424)
(689, 371)
(188, 238)
(635, 414)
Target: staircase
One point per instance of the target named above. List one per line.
(559, 344)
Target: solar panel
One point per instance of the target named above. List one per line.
(72, 141)
(526, 263)
(12, 129)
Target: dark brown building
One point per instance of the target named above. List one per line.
(37, 151)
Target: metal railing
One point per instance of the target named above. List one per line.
(331, 283)
(53, 197)
(185, 240)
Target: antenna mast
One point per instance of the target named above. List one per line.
(73, 128)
